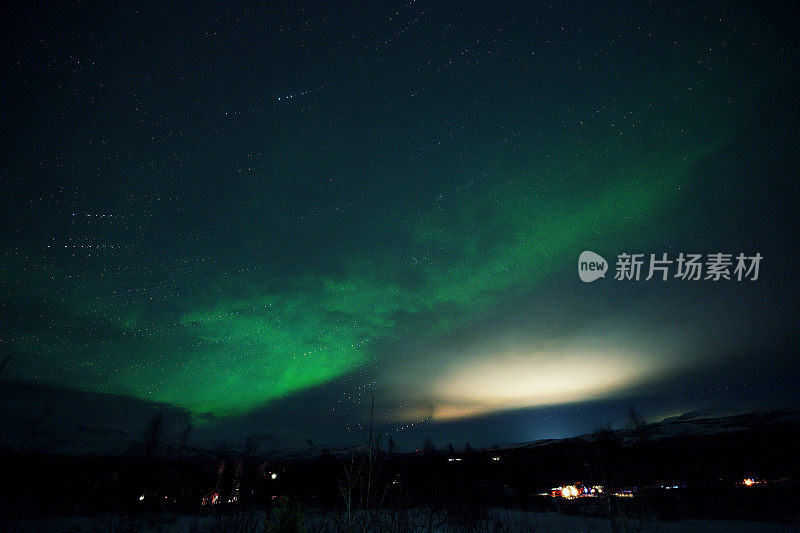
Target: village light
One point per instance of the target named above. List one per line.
(570, 491)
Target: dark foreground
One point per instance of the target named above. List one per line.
(739, 470)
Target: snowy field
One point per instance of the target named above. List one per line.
(413, 520)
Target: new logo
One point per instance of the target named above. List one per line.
(591, 266)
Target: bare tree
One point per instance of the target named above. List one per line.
(152, 434)
(637, 425)
(183, 444)
(361, 488)
(33, 429)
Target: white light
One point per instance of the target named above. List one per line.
(141, 498)
(525, 375)
(570, 491)
(274, 475)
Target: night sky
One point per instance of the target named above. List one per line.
(259, 217)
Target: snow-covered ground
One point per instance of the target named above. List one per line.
(415, 520)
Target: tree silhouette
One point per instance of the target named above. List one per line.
(428, 449)
(152, 434)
